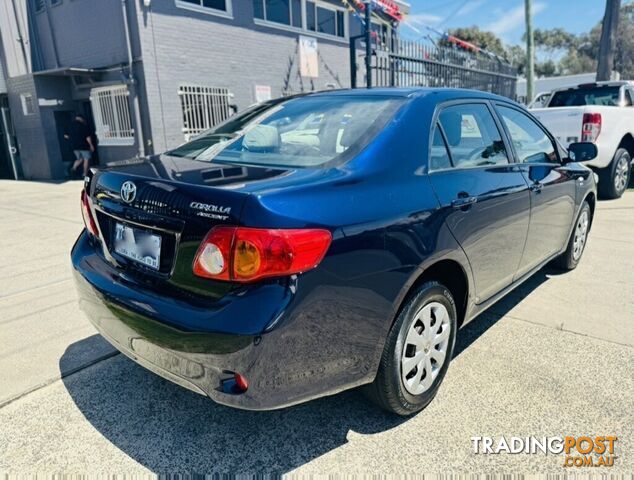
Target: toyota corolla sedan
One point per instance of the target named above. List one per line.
(314, 244)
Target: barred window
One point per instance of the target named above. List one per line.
(111, 111)
(203, 108)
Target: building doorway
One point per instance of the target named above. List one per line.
(9, 160)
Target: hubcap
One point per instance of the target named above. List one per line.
(581, 234)
(621, 174)
(425, 348)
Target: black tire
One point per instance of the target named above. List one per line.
(608, 187)
(568, 260)
(388, 389)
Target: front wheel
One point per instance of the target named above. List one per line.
(417, 351)
(616, 176)
(577, 242)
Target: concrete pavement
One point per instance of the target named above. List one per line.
(554, 358)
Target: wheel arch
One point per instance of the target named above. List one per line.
(449, 272)
(591, 198)
(627, 142)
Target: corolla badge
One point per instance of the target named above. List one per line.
(128, 191)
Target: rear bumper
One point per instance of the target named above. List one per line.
(282, 365)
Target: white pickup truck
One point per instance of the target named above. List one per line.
(601, 113)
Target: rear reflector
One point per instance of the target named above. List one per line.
(246, 254)
(591, 127)
(89, 221)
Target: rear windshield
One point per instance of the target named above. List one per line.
(608, 96)
(301, 132)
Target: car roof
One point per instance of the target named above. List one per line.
(605, 83)
(412, 92)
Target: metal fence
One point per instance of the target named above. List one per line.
(405, 63)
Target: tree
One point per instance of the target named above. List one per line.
(608, 39)
(583, 58)
(483, 39)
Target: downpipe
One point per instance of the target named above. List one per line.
(133, 83)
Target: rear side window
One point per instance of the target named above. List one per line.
(531, 143)
(472, 136)
(575, 97)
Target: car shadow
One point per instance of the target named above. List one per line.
(165, 427)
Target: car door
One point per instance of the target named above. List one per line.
(551, 184)
(484, 196)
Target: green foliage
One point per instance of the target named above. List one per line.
(483, 39)
(561, 52)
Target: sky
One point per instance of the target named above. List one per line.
(503, 17)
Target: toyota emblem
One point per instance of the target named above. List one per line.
(128, 191)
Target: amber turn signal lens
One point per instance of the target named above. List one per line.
(246, 259)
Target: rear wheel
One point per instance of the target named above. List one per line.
(417, 351)
(577, 242)
(616, 176)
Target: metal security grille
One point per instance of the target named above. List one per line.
(406, 63)
(111, 111)
(203, 108)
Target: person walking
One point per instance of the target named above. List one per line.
(80, 136)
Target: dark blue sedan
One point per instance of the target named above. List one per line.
(314, 244)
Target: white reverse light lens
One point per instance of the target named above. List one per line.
(212, 260)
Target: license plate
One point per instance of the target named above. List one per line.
(138, 245)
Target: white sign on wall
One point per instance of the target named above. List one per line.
(262, 93)
(308, 57)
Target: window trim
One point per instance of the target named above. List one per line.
(467, 101)
(509, 139)
(333, 8)
(206, 10)
(304, 28)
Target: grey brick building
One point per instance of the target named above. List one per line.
(150, 73)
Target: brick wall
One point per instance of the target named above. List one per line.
(181, 47)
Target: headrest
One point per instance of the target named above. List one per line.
(452, 125)
(352, 133)
(261, 138)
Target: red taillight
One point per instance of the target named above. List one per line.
(242, 384)
(246, 254)
(591, 127)
(89, 221)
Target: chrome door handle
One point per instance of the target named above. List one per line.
(464, 202)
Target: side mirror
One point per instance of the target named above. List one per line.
(582, 151)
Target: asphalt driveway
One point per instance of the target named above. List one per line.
(554, 358)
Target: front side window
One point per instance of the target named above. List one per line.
(296, 133)
(472, 136)
(531, 143)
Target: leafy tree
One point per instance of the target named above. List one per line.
(481, 38)
(561, 52)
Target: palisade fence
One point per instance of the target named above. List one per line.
(406, 63)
